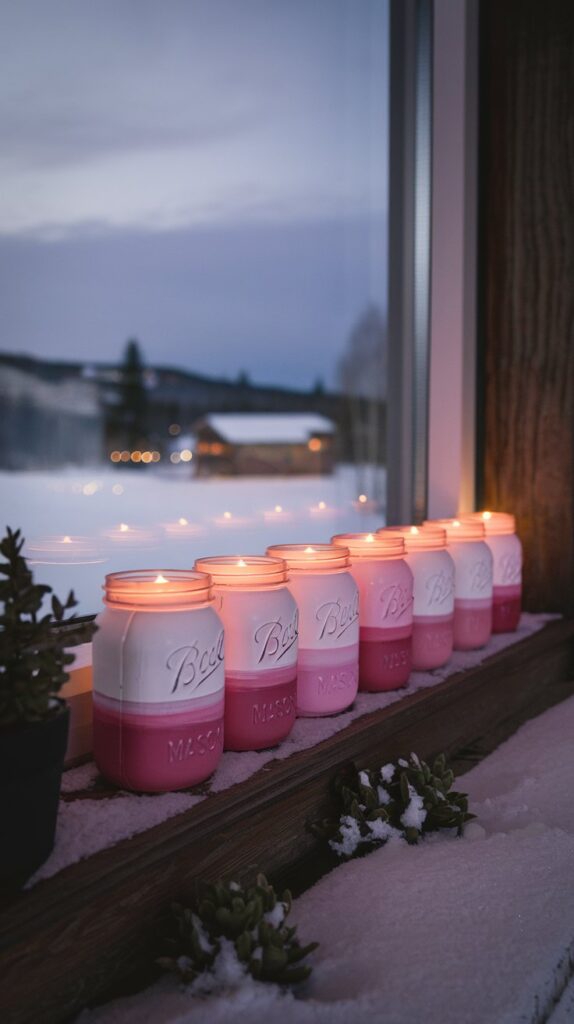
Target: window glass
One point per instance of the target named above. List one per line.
(193, 274)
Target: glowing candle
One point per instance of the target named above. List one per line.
(130, 536)
(261, 632)
(277, 515)
(63, 550)
(500, 531)
(181, 529)
(322, 511)
(158, 680)
(228, 520)
(328, 601)
(473, 582)
(433, 610)
(385, 585)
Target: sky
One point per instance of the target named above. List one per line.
(209, 176)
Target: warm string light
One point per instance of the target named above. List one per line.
(241, 563)
(161, 579)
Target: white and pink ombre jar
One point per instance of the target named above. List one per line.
(473, 582)
(500, 530)
(328, 601)
(385, 585)
(261, 639)
(158, 680)
(433, 611)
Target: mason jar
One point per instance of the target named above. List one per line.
(501, 537)
(385, 585)
(328, 601)
(261, 637)
(433, 609)
(473, 582)
(158, 680)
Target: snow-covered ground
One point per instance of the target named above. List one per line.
(472, 931)
(72, 519)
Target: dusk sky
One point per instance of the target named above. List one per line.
(208, 176)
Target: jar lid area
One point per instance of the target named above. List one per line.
(313, 557)
(419, 538)
(371, 545)
(157, 589)
(243, 570)
(460, 529)
(494, 522)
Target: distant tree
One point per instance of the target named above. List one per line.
(362, 377)
(133, 404)
(127, 417)
(243, 379)
(319, 387)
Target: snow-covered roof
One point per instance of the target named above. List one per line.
(268, 428)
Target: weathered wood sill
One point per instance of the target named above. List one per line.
(72, 938)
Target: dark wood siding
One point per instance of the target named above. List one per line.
(526, 414)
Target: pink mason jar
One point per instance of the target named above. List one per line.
(261, 638)
(473, 582)
(328, 601)
(158, 680)
(385, 585)
(500, 530)
(433, 611)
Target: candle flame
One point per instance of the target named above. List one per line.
(242, 563)
(309, 550)
(161, 579)
(369, 538)
(322, 505)
(227, 515)
(124, 528)
(362, 498)
(278, 508)
(182, 521)
(456, 522)
(67, 540)
(414, 529)
(487, 515)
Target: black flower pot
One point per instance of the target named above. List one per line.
(31, 763)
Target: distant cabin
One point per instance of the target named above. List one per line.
(254, 444)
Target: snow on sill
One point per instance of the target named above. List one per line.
(88, 826)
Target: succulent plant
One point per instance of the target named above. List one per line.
(253, 919)
(406, 800)
(33, 656)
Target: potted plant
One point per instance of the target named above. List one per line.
(33, 719)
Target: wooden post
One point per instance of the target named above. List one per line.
(526, 259)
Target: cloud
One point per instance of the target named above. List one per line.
(127, 114)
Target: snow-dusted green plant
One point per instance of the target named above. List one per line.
(33, 655)
(403, 800)
(250, 920)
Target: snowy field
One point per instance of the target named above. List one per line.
(80, 525)
(472, 931)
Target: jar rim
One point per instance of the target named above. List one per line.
(427, 537)
(243, 570)
(460, 529)
(173, 588)
(313, 558)
(494, 523)
(371, 546)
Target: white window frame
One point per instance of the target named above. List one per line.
(432, 258)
